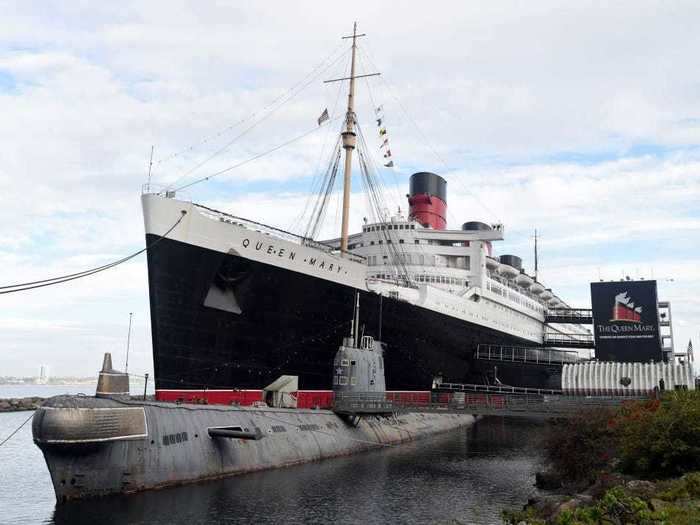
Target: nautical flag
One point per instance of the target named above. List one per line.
(324, 116)
(382, 132)
(389, 164)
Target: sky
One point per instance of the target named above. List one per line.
(580, 121)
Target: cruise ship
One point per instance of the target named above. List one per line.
(235, 304)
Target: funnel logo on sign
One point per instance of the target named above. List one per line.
(626, 321)
(624, 310)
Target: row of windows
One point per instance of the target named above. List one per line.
(440, 279)
(385, 227)
(499, 290)
(449, 261)
(421, 278)
(435, 242)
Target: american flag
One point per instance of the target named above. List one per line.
(324, 116)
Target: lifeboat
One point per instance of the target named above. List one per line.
(524, 280)
(546, 295)
(492, 264)
(508, 271)
(536, 288)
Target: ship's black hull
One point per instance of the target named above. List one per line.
(275, 321)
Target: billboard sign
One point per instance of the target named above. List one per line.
(626, 321)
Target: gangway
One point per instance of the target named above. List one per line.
(569, 315)
(483, 404)
(526, 354)
(561, 340)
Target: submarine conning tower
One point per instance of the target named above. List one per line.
(359, 367)
(427, 200)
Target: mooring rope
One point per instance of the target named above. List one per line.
(17, 429)
(21, 287)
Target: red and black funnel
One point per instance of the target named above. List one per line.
(427, 200)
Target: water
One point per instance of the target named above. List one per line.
(468, 475)
(10, 391)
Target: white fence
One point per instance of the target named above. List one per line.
(604, 378)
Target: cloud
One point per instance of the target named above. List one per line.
(579, 121)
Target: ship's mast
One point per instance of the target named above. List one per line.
(349, 139)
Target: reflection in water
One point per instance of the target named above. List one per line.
(468, 475)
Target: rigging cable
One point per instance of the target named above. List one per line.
(16, 430)
(374, 109)
(255, 157)
(426, 142)
(299, 219)
(377, 203)
(21, 287)
(255, 124)
(320, 206)
(252, 115)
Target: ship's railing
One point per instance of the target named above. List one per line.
(152, 188)
(363, 402)
(525, 354)
(278, 232)
(487, 403)
(498, 389)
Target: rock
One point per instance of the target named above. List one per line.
(547, 505)
(548, 481)
(641, 488)
(567, 505)
(659, 504)
(18, 404)
(640, 485)
(578, 501)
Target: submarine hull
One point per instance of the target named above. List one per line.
(97, 447)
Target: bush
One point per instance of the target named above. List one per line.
(661, 440)
(651, 439)
(578, 447)
(686, 487)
